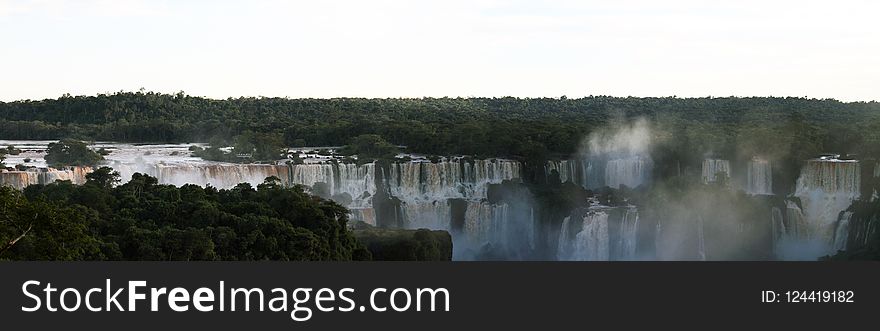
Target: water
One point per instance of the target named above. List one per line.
(595, 171)
(436, 195)
(713, 168)
(826, 187)
(759, 179)
(599, 234)
(629, 171)
(841, 232)
(567, 169)
(425, 188)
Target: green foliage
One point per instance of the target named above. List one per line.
(142, 220)
(496, 127)
(370, 147)
(11, 150)
(248, 147)
(69, 152)
(406, 245)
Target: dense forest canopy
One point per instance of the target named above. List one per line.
(512, 127)
(143, 220)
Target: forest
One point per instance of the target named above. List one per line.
(498, 127)
(142, 220)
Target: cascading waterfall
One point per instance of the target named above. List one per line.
(759, 179)
(331, 180)
(21, 179)
(701, 250)
(713, 167)
(591, 242)
(592, 171)
(220, 175)
(827, 187)
(349, 184)
(434, 215)
(340, 178)
(841, 232)
(599, 234)
(630, 171)
(796, 226)
(627, 241)
(567, 170)
(777, 226)
(563, 245)
(425, 188)
(816, 227)
(481, 219)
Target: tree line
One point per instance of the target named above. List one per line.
(530, 128)
(143, 220)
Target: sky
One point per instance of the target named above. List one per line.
(484, 48)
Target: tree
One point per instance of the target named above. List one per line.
(104, 177)
(68, 152)
(370, 147)
(143, 220)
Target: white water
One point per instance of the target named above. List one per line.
(591, 241)
(778, 230)
(592, 238)
(567, 170)
(630, 171)
(712, 168)
(841, 232)
(21, 179)
(425, 188)
(794, 240)
(759, 179)
(627, 241)
(826, 187)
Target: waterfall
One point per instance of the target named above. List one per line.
(629, 171)
(564, 245)
(701, 250)
(800, 240)
(777, 226)
(424, 188)
(21, 179)
(713, 167)
(841, 232)
(434, 215)
(592, 171)
(352, 179)
(627, 241)
(796, 227)
(567, 170)
(500, 226)
(480, 221)
(600, 233)
(826, 187)
(219, 175)
(760, 177)
(591, 242)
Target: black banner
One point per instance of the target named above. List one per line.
(481, 295)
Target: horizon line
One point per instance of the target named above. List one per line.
(559, 97)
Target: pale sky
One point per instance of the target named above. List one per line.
(362, 48)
